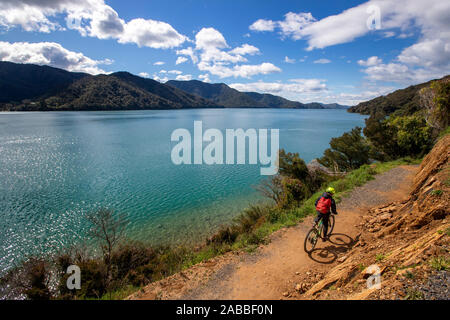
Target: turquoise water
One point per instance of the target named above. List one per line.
(55, 167)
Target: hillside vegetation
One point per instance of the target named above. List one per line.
(26, 87)
(402, 102)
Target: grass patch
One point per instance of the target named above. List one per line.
(414, 295)
(380, 257)
(440, 263)
(437, 193)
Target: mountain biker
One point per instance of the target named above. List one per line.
(325, 205)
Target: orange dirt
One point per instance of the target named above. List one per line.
(281, 269)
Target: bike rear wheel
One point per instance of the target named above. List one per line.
(311, 240)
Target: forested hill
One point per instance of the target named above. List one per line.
(27, 87)
(403, 102)
(28, 81)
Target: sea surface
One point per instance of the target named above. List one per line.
(57, 166)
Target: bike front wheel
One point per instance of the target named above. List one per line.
(311, 240)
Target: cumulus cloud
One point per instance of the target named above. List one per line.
(288, 60)
(213, 54)
(189, 52)
(204, 77)
(144, 75)
(243, 71)
(159, 63)
(91, 18)
(181, 60)
(263, 25)
(245, 49)
(291, 26)
(50, 53)
(372, 61)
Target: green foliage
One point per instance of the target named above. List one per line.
(414, 295)
(436, 192)
(440, 263)
(350, 151)
(413, 135)
(401, 102)
(398, 137)
(380, 257)
(436, 100)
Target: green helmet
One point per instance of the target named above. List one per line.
(331, 190)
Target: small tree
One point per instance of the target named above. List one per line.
(347, 152)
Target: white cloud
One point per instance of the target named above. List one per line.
(91, 18)
(210, 38)
(212, 54)
(322, 61)
(291, 26)
(288, 60)
(49, 53)
(159, 79)
(243, 71)
(294, 86)
(159, 63)
(245, 49)
(184, 77)
(204, 77)
(144, 75)
(181, 60)
(174, 72)
(372, 61)
(188, 52)
(263, 25)
(294, 23)
(151, 33)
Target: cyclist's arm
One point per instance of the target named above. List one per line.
(333, 206)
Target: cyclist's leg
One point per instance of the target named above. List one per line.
(325, 219)
(318, 217)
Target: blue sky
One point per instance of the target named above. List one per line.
(325, 51)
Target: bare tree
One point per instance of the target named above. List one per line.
(271, 188)
(108, 229)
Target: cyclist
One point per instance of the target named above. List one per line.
(325, 205)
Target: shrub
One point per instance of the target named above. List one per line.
(350, 151)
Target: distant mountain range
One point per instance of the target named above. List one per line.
(223, 95)
(27, 87)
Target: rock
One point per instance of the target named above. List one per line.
(342, 259)
(285, 294)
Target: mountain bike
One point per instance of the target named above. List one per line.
(316, 232)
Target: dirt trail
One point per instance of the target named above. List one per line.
(272, 271)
